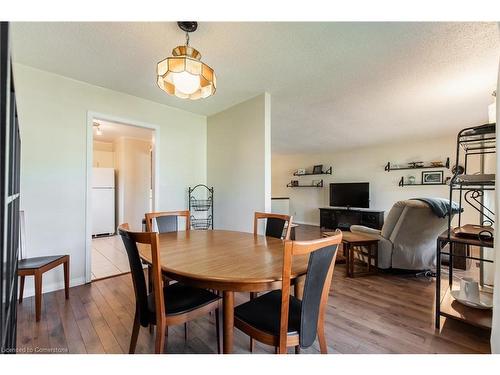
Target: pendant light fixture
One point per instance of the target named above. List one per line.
(97, 128)
(184, 74)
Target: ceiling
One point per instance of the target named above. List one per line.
(333, 85)
(112, 131)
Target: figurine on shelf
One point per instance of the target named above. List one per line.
(300, 172)
(411, 180)
(416, 164)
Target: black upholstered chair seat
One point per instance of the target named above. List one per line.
(180, 299)
(264, 313)
(38, 262)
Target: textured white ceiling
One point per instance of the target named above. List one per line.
(333, 85)
(111, 131)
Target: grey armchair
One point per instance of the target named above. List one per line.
(408, 237)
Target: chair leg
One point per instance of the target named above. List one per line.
(252, 342)
(297, 349)
(186, 331)
(160, 338)
(217, 328)
(135, 334)
(38, 295)
(150, 289)
(66, 279)
(21, 290)
(321, 338)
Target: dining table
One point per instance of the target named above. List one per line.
(226, 261)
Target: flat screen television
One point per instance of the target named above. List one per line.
(352, 194)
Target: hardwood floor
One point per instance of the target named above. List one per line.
(383, 313)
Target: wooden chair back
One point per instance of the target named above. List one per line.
(275, 224)
(166, 221)
(130, 240)
(322, 254)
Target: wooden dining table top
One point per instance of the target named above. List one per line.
(224, 260)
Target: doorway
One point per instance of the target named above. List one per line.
(121, 187)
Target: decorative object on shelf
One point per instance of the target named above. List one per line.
(328, 171)
(417, 165)
(201, 206)
(432, 178)
(184, 74)
(315, 183)
(318, 169)
(411, 180)
(300, 172)
(470, 295)
(468, 185)
(457, 169)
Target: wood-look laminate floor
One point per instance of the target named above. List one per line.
(374, 314)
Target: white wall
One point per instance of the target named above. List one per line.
(239, 162)
(360, 165)
(53, 118)
(104, 155)
(133, 169)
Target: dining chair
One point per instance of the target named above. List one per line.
(168, 304)
(282, 320)
(166, 222)
(37, 266)
(275, 226)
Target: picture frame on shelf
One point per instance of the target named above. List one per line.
(294, 182)
(316, 182)
(318, 169)
(432, 177)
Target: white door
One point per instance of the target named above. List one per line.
(103, 211)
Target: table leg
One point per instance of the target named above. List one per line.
(228, 307)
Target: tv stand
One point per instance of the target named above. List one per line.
(343, 218)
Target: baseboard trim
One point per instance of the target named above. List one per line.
(52, 287)
(306, 223)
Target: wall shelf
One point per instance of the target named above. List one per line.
(389, 168)
(328, 171)
(403, 184)
(318, 185)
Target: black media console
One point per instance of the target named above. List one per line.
(343, 218)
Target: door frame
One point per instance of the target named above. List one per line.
(91, 116)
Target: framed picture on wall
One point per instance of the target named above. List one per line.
(318, 169)
(432, 177)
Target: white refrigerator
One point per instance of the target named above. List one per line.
(103, 201)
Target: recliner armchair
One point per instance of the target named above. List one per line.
(408, 238)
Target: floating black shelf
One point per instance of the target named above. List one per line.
(328, 171)
(319, 185)
(388, 167)
(403, 184)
